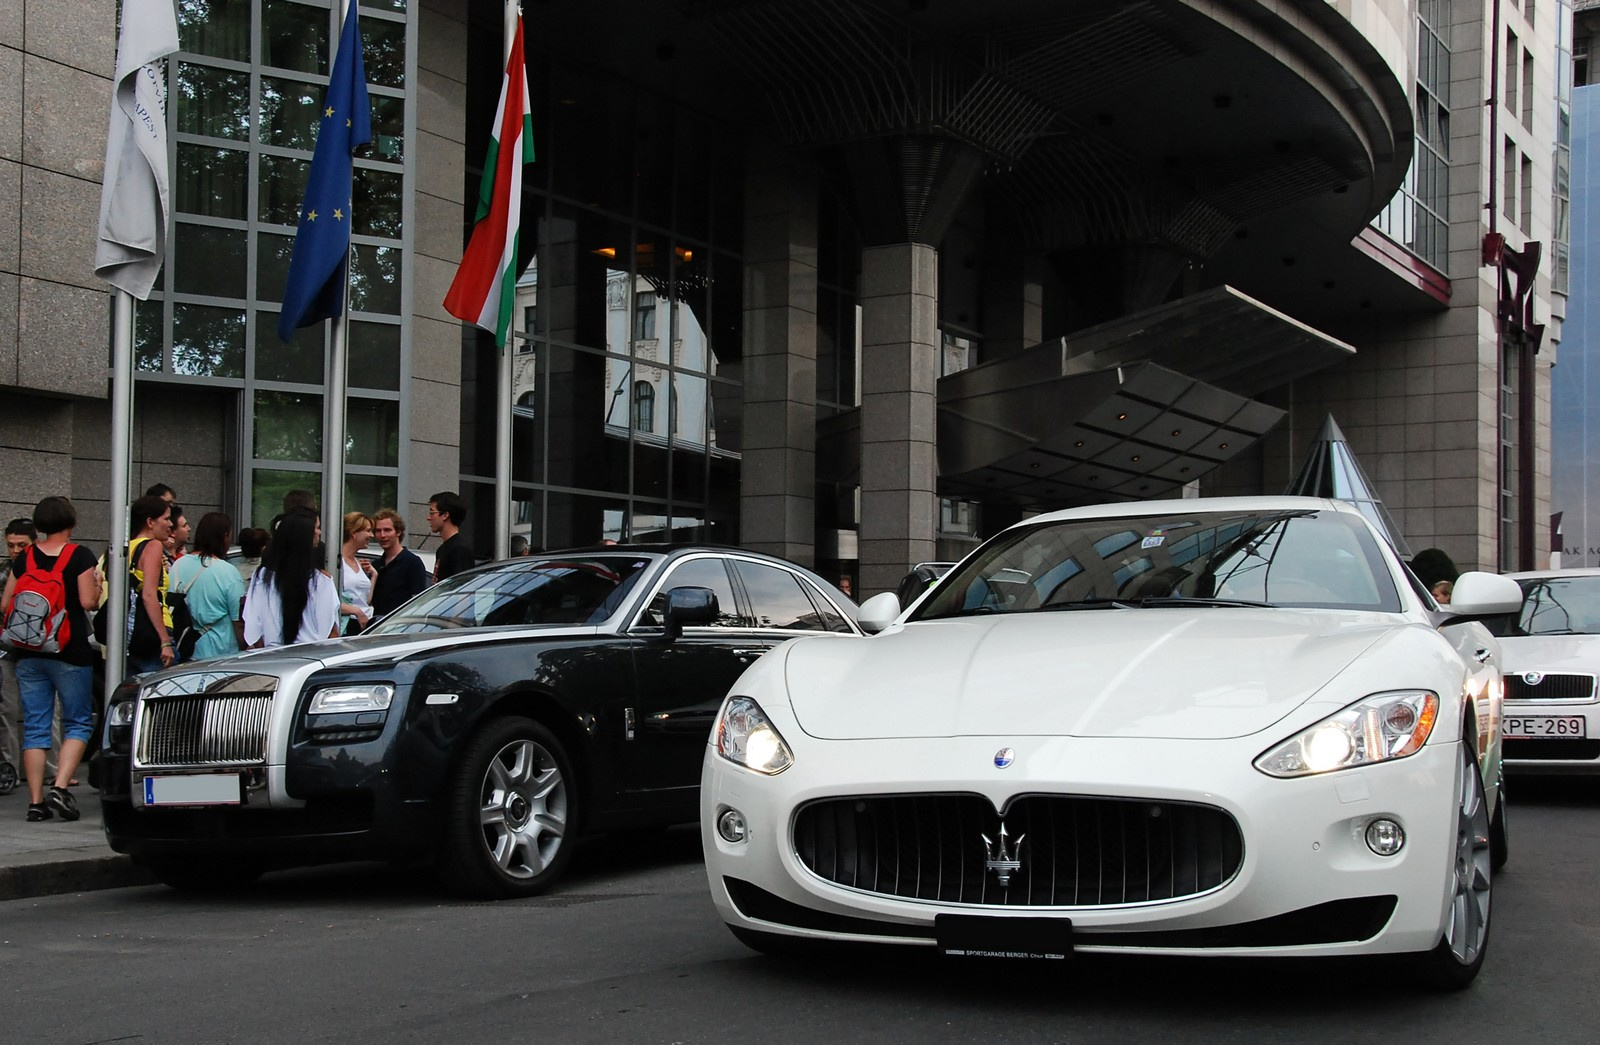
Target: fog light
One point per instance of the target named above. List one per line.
(1385, 837)
(730, 825)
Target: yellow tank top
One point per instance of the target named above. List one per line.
(138, 578)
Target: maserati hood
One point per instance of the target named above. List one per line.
(1168, 673)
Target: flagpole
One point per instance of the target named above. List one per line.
(333, 431)
(121, 464)
(502, 417)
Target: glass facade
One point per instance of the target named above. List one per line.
(244, 93)
(1415, 218)
(627, 383)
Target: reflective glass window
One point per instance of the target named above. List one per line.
(300, 361)
(267, 487)
(208, 260)
(698, 573)
(288, 426)
(372, 428)
(375, 355)
(383, 51)
(212, 102)
(368, 493)
(776, 598)
(295, 36)
(283, 188)
(289, 111)
(219, 28)
(272, 265)
(212, 182)
(207, 341)
(375, 279)
(377, 197)
(388, 127)
(147, 336)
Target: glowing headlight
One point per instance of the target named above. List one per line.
(342, 700)
(744, 735)
(1379, 728)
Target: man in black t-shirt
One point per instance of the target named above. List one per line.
(446, 512)
(401, 573)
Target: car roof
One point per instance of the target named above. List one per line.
(1185, 505)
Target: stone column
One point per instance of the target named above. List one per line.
(899, 371)
(777, 475)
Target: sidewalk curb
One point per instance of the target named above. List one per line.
(113, 871)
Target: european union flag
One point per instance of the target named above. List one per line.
(315, 290)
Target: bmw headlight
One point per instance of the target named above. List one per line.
(1378, 728)
(342, 700)
(744, 735)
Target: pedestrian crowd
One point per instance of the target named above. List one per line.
(191, 598)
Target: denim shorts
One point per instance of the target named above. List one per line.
(40, 680)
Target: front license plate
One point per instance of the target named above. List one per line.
(1546, 727)
(977, 936)
(196, 789)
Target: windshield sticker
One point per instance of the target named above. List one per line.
(1155, 540)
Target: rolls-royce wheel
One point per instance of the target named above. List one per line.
(205, 875)
(1455, 962)
(511, 812)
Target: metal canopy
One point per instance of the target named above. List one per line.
(1331, 470)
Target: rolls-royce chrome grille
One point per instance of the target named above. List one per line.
(1047, 851)
(224, 723)
(1535, 685)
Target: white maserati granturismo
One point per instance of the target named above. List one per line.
(1232, 726)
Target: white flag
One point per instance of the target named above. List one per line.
(133, 201)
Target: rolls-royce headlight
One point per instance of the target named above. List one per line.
(1378, 728)
(120, 714)
(744, 735)
(342, 700)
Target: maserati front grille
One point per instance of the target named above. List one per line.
(1055, 850)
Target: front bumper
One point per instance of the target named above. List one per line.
(1304, 843)
(1540, 752)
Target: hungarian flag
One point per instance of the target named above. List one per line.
(485, 286)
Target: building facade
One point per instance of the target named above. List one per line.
(852, 281)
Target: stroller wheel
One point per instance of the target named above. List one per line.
(8, 777)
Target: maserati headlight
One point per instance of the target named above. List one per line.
(342, 700)
(1378, 728)
(744, 735)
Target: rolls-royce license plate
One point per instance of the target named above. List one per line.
(1545, 727)
(980, 936)
(193, 789)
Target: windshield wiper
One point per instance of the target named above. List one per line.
(1179, 600)
(1095, 602)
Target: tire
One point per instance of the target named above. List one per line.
(205, 875)
(8, 778)
(511, 812)
(1454, 963)
(1499, 834)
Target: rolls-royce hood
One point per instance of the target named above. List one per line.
(1170, 672)
(1578, 654)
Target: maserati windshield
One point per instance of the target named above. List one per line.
(577, 590)
(1319, 559)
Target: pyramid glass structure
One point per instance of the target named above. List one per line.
(1331, 470)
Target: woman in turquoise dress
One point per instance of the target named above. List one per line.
(213, 588)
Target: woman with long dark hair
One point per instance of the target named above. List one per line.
(290, 598)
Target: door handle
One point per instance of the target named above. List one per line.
(1481, 655)
(751, 654)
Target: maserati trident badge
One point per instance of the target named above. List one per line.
(1004, 757)
(1003, 860)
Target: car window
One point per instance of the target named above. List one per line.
(777, 600)
(523, 591)
(1557, 606)
(704, 572)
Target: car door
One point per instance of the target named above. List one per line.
(680, 684)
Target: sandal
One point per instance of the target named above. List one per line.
(38, 811)
(61, 800)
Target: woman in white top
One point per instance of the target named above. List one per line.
(291, 600)
(355, 575)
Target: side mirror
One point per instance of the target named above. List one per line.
(879, 612)
(1479, 594)
(689, 605)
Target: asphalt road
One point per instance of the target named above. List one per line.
(632, 951)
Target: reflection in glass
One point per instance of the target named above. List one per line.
(289, 111)
(213, 102)
(375, 279)
(207, 341)
(288, 426)
(368, 493)
(213, 182)
(373, 432)
(283, 188)
(208, 260)
(376, 199)
(300, 361)
(294, 36)
(267, 487)
(375, 355)
(147, 336)
(272, 265)
(220, 28)
(384, 51)
(388, 127)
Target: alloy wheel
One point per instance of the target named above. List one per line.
(1468, 926)
(523, 808)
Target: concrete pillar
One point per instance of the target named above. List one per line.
(899, 370)
(777, 476)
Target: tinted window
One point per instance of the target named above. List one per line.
(777, 599)
(1559, 606)
(526, 591)
(697, 573)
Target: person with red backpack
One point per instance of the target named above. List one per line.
(46, 627)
